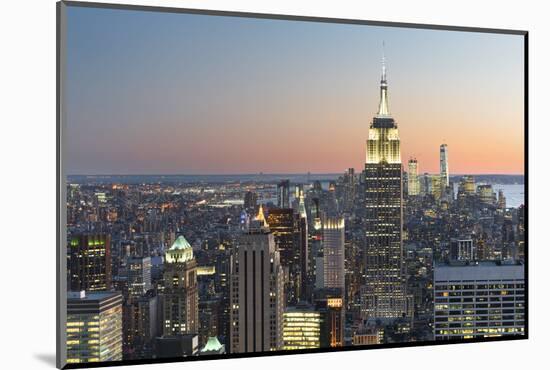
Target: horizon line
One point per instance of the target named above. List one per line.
(280, 173)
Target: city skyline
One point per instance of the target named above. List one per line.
(310, 111)
(183, 266)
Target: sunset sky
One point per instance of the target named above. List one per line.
(152, 93)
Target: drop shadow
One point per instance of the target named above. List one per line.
(46, 358)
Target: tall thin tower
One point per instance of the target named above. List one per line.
(383, 296)
(444, 165)
(413, 183)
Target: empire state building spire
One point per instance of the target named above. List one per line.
(383, 109)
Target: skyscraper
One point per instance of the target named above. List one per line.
(90, 262)
(333, 253)
(330, 305)
(94, 327)
(283, 194)
(285, 225)
(383, 295)
(180, 303)
(444, 165)
(413, 183)
(257, 295)
(250, 200)
(140, 326)
(139, 275)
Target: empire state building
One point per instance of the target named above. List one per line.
(384, 294)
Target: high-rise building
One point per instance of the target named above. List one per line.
(283, 194)
(94, 327)
(383, 295)
(435, 186)
(139, 275)
(482, 300)
(289, 229)
(257, 295)
(467, 185)
(250, 200)
(444, 165)
(301, 327)
(333, 252)
(140, 326)
(486, 194)
(90, 262)
(330, 305)
(303, 234)
(180, 300)
(413, 182)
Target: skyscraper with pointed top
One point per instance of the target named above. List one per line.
(383, 295)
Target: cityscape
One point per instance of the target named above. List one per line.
(173, 266)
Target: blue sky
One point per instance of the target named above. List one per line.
(155, 92)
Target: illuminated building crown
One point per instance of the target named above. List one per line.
(181, 251)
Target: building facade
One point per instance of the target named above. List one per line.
(94, 327)
(301, 327)
(383, 296)
(139, 275)
(444, 165)
(333, 252)
(257, 295)
(90, 262)
(482, 300)
(180, 299)
(413, 182)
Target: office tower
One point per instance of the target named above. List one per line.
(467, 185)
(250, 200)
(257, 296)
(180, 301)
(501, 200)
(466, 192)
(139, 275)
(383, 295)
(94, 327)
(283, 194)
(413, 182)
(303, 234)
(444, 165)
(486, 194)
(330, 305)
(301, 327)
(283, 223)
(289, 230)
(434, 186)
(349, 190)
(90, 262)
(333, 253)
(462, 249)
(140, 318)
(483, 300)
